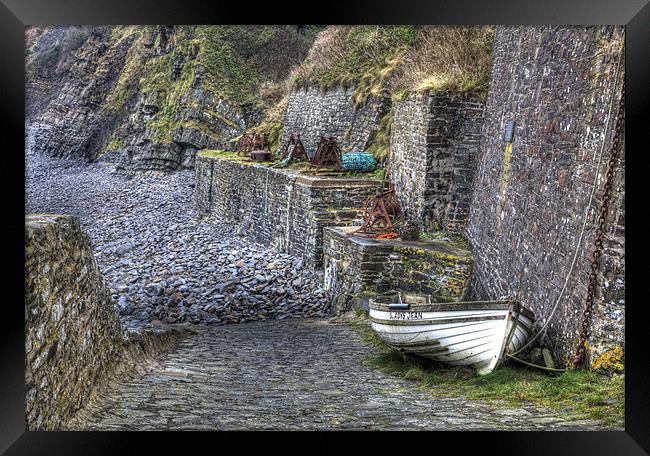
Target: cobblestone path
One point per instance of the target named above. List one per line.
(291, 374)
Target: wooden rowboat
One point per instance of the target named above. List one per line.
(471, 333)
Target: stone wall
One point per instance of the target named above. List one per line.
(434, 145)
(561, 86)
(72, 330)
(278, 207)
(312, 113)
(357, 268)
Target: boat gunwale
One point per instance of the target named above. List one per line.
(513, 306)
(520, 324)
(423, 322)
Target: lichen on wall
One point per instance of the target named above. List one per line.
(358, 268)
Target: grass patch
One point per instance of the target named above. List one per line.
(115, 142)
(378, 173)
(381, 140)
(455, 240)
(227, 155)
(579, 394)
(232, 156)
(273, 123)
(249, 64)
(361, 56)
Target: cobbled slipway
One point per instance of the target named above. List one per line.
(166, 267)
(163, 265)
(291, 375)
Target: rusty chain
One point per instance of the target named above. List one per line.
(579, 356)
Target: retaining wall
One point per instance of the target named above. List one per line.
(278, 207)
(311, 113)
(559, 86)
(357, 268)
(73, 334)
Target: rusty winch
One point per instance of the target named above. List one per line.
(245, 144)
(380, 212)
(328, 154)
(260, 145)
(297, 153)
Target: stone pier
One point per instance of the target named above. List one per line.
(284, 208)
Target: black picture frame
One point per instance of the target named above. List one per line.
(16, 14)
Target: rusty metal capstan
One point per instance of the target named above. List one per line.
(245, 144)
(380, 212)
(261, 150)
(328, 154)
(297, 153)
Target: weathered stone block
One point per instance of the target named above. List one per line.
(73, 334)
(357, 268)
(434, 145)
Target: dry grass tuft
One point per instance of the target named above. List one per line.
(457, 59)
(394, 60)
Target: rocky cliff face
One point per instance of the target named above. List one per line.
(147, 98)
(74, 121)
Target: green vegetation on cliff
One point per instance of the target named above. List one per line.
(244, 65)
(244, 74)
(46, 63)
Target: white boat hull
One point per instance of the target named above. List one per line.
(476, 334)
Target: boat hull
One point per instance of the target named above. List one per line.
(475, 333)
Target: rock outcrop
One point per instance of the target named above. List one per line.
(148, 98)
(75, 122)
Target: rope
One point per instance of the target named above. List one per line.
(584, 223)
(536, 365)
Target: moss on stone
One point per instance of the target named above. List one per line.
(126, 87)
(115, 143)
(219, 154)
(380, 144)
